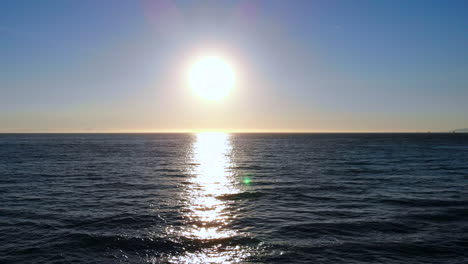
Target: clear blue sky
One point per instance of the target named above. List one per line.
(303, 65)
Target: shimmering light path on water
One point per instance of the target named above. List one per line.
(207, 218)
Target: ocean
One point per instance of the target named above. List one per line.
(234, 198)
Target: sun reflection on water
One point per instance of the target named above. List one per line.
(211, 178)
(207, 216)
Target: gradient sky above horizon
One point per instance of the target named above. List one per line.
(119, 66)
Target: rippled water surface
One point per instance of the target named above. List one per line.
(234, 198)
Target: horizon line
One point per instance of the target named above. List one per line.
(233, 132)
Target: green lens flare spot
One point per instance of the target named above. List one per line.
(247, 179)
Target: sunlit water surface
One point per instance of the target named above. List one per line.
(234, 198)
(207, 218)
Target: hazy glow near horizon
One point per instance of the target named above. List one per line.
(211, 78)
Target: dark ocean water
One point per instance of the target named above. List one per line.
(240, 198)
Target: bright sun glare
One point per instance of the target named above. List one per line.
(212, 78)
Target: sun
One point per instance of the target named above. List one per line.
(211, 78)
